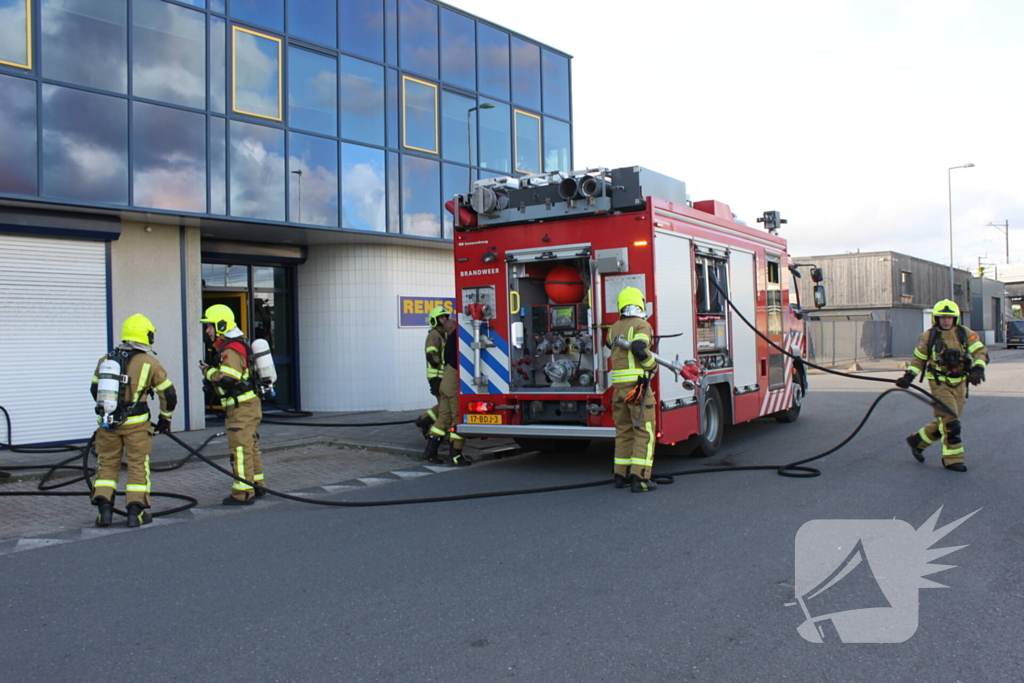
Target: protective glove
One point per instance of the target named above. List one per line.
(163, 425)
(435, 386)
(977, 375)
(905, 381)
(636, 394)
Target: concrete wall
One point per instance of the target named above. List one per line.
(352, 354)
(146, 277)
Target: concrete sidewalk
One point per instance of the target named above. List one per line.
(307, 458)
(891, 364)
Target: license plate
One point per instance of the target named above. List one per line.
(483, 419)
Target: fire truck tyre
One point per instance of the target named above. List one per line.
(793, 412)
(553, 445)
(712, 425)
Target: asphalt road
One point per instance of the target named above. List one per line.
(690, 582)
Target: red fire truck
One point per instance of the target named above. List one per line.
(539, 263)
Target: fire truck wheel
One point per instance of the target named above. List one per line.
(552, 445)
(712, 424)
(793, 412)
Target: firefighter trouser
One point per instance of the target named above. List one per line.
(448, 407)
(431, 413)
(946, 427)
(241, 423)
(134, 442)
(634, 443)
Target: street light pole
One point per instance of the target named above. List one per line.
(469, 136)
(949, 187)
(299, 173)
(1005, 229)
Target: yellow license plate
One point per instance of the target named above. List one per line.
(483, 419)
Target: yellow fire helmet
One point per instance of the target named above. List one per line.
(945, 308)
(222, 317)
(631, 296)
(434, 317)
(138, 328)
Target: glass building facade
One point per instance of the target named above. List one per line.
(362, 115)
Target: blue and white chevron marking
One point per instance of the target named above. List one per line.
(494, 360)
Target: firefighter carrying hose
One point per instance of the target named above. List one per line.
(632, 396)
(449, 404)
(434, 349)
(124, 380)
(950, 355)
(233, 378)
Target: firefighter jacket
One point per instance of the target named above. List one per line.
(948, 355)
(435, 353)
(450, 351)
(145, 374)
(230, 373)
(626, 367)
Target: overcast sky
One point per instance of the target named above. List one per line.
(842, 114)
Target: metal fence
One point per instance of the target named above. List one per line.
(847, 341)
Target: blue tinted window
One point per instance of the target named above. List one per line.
(525, 74)
(257, 171)
(312, 180)
(195, 3)
(257, 74)
(314, 20)
(492, 48)
(217, 6)
(496, 138)
(455, 181)
(391, 31)
(218, 166)
(417, 24)
(421, 194)
(528, 150)
(556, 84)
(168, 158)
(419, 115)
(313, 91)
(85, 145)
(86, 42)
(362, 188)
(218, 64)
(393, 119)
(269, 13)
(362, 28)
(557, 155)
(394, 194)
(458, 49)
(14, 41)
(362, 101)
(169, 60)
(456, 128)
(18, 155)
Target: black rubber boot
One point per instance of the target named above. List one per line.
(424, 423)
(231, 500)
(105, 512)
(137, 515)
(620, 481)
(460, 459)
(956, 467)
(430, 452)
(638, 485)
(914, 441)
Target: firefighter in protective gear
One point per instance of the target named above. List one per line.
(950, 356)
(632, 397)
(448, 400)
(131, 433)
(434, 349)
(232, 378)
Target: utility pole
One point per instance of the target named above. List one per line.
(1005, 229)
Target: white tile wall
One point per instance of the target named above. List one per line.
(353, 356)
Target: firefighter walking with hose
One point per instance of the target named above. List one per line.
(632, 396)
(124, 380)
(234, 380)
(950, 356)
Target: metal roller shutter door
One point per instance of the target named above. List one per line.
(53, 329)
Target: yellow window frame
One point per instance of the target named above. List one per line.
(405, 144)
(280, 73)
(28, 40)
(515, 138)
